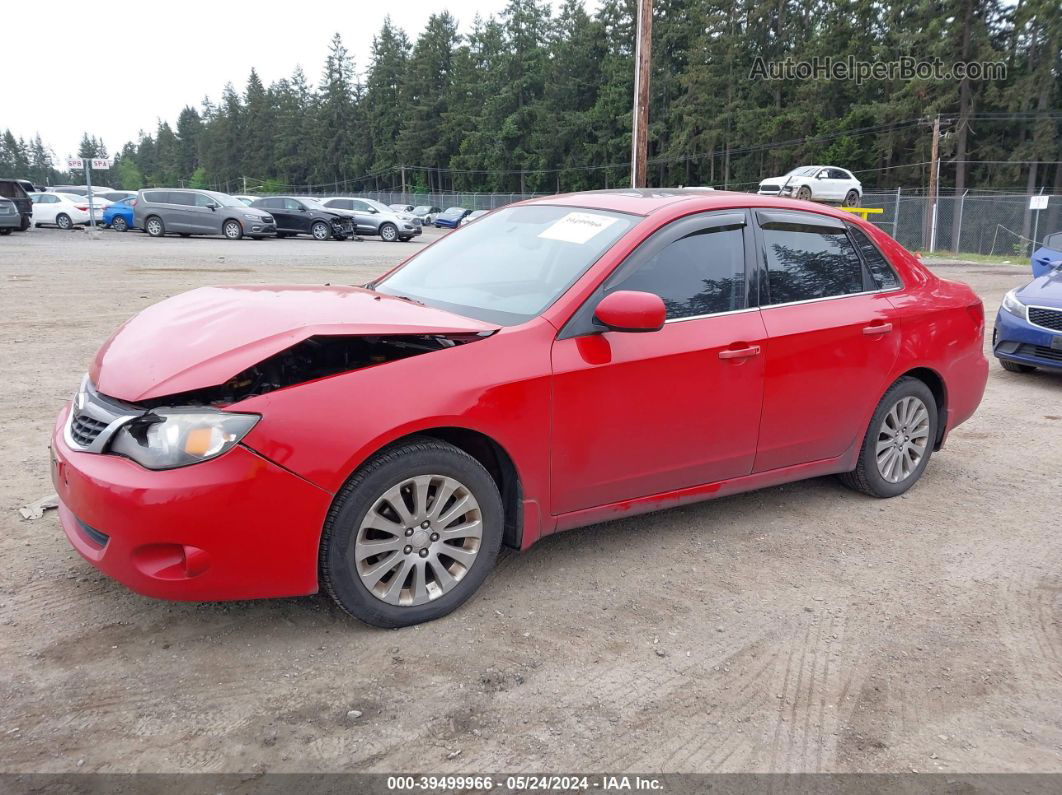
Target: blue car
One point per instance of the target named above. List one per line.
(1028, 331)
(119, 216)
(450, 218)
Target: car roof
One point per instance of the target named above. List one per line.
(679, 201)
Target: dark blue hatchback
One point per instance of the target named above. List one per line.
(1028, 331)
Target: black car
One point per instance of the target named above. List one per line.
(302, 215)
(12, 189)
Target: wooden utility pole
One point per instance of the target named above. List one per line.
(640, 121)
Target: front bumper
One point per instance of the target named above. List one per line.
(1019, 341)
(235, 527)
(262, 229)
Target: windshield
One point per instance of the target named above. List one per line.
(315, 204)
(803, 171)
(510, 265)
(422, 209)
(378, 205)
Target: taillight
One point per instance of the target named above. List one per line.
(977, 312)
(83, 208)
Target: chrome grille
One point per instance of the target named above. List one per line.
(1046, 318)
(84, 429)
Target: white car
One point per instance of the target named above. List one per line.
(816, 183)
(65, 210)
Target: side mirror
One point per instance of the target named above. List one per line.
(212, 206)
(631, 310)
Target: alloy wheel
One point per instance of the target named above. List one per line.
(388, 233)
(418, 540)
(118, 225)
(63, 221)
(154, 227)
(903, 439)
(233, 230)
(320, 231)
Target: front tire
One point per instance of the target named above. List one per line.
(63, 221)
(411, 535)
(320, 231)
(154, 226)
(119, 224)
(898, 442)
(232, 229)
(1014, 367)
(388, 233)
(851, 198)
(804, 193)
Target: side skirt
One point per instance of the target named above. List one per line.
(707, 491)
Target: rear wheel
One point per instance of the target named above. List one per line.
(63, 221)
(154, 226)
(119, 224)
(412, 535)
(5, 231)
(898, 443)
(1014, 367)
(232, 229)
(851, 199)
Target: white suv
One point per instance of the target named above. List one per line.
(816, 183)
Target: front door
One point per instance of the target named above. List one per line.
(832, 339)
(640, 414)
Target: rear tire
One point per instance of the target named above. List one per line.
(5, 231)
(63, 221)
(22, 227)
(119, 224)
(154, 226)
(411, 585)
(1014, 367)
(898, 443)
(851, 199)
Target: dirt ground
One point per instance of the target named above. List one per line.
(801, 628)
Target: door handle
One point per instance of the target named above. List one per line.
(740, 353)
(877, 328)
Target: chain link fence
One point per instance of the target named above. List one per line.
(974, 223)
(1000, 224)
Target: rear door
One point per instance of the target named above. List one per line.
(45, 206)
(282, 217)
(640, 414)
(832, 338)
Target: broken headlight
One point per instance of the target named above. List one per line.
(166, 439)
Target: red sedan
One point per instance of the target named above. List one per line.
(559, 362)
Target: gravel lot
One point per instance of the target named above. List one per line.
(801, 628)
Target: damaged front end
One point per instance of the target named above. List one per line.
(177, 430)
(314, 358)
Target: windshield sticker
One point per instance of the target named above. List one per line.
(577, 227)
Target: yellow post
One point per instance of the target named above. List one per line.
(863, 212)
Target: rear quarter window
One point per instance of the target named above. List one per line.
(881, 272)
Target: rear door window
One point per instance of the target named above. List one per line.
(808, 257)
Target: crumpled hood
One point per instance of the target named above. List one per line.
(204, 337)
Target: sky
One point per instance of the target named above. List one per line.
(165, 55)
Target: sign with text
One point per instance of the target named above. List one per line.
(97, 163)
